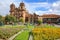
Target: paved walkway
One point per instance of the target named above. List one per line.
(30, 38)
(56, 25)
(1, 39)
(11, 38)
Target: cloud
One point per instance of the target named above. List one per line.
(5, 6)
(56, 7)
(32, 7)
(53, 8)
(38, 7)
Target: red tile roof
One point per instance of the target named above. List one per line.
(50, 16)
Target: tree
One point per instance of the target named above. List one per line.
(39, 21)
(1, 20)
(21, 20)
(10, 18)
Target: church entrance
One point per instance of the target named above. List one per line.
(26, 19)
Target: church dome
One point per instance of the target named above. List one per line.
(12, 4)
(22, 4)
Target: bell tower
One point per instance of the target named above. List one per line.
(22, 9)
(12, 9)
(22, 6)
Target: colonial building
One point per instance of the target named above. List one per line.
(50, 18)
(21, 12)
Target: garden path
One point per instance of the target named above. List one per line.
(12, 37)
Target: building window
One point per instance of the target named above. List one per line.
(49, 19)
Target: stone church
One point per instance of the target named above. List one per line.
(21, 12)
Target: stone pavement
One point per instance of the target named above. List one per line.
(1, 39)
(12, 37)
(30, 38)
(56, 25)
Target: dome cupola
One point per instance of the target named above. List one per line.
(22, 4)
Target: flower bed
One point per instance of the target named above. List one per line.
(6, 32)
(46, 33)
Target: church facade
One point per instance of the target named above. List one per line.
(21, 12)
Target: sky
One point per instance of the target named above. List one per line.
(39, 7)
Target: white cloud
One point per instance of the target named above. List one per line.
(5, 6)
(54, 9)
(31, 7)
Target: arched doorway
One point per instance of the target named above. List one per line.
(26, 19)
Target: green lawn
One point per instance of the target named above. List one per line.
(23, 36)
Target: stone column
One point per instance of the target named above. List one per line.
(29, 19)
(32, 20)
(23, 16)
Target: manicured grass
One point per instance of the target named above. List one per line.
(30, 27)
(23, 36)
